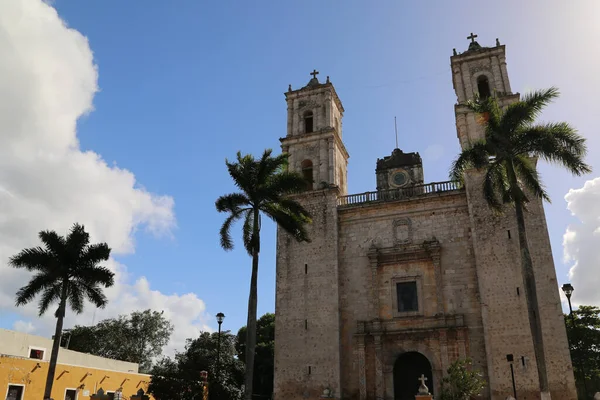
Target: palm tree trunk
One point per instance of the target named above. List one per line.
(252, 303)
(535, 320)
(56, 343)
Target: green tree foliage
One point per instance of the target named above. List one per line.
(584, 342)
(507, 156)
(66, 272)
(462, 382)
(264, 361)
(178, 378)
(264, 187)
(138, 337)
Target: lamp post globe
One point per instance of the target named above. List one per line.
(567, 288)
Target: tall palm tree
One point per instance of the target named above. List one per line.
(264, 184)
(512, 142)
(66, 271)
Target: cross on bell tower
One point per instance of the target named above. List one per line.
(472, 37)
(314, 73)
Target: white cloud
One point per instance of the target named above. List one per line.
(581, 242)
(48, 80)
(22, 326)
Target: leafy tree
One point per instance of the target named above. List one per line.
(138, 337)
(264, 184)
(179, 378)
(264, 362)
(584, 342)
(461, 383)
(506, 156)
(66, 271)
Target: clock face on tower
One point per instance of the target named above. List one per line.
(399, 178)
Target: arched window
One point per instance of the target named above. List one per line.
(483, 86)
(308, 122)
(307, 173)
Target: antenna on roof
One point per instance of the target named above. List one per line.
(396, 129)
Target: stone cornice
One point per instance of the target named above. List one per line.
(325, 133)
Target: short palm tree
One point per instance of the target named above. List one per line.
(512, 142)
(66, 271)
(264, 184)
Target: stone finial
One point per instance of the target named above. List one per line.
(290, 88)
(454, 53)
(328, 79)
(497, 42)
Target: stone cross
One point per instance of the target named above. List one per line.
(472, 37)
(423, 389)
(314, 73)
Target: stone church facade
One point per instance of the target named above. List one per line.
(405, 280)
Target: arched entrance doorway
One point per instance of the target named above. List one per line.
(407, 371)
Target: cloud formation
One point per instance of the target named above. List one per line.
(48, 80)
(581, 242)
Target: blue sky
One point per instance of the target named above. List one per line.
(185, 84)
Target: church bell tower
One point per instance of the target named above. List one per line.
(479, 71)
(307, 302)
(314, 135)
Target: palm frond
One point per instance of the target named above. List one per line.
(77, 240)
(285, 183)
(525, 112)
(75, 298)
(94, 275)
(95, 295)
(269, 166)
(225, 235)
(495, 186)
(37, 284)
(248, 231)
(529, 177)
(232, 202)
(54, 243)
(95, 253)
(243, 172)
(34, 259)
(50, 295)
(475, 157)
(557, 143)
(294, 208)
(290, 223)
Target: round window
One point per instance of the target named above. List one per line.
(399, 178)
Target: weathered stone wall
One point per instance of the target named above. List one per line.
(443, 217)
(307, 345)
(505, 318)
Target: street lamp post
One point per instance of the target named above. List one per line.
(568, 289)
(220, 318)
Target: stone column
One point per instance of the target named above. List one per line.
(323, 163)
(498, 81)
(502, 61)
(362, 373)
(466, 79)
(379, 385)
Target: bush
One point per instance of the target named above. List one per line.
(461, 382)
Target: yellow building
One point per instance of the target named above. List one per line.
(24, 361)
